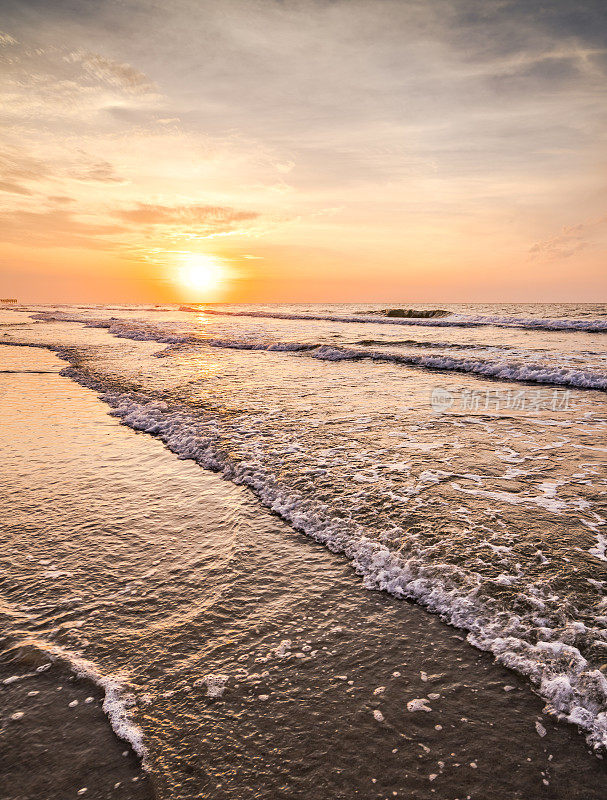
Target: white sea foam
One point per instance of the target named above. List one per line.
(117, 701)
(216, 684)
(18, 678)
(600, 549)
(501, 370)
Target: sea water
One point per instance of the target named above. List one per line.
(456, 463)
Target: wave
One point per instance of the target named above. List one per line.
(117, 701)
(495, 369)
(452, 321)
(498, 370)
(443, 345)
(239, 344)
(524, 641)
(501, 370)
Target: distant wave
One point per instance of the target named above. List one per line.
(502, 370)
(499, 370)
(436, 345)
(454, 320)
(496, 369)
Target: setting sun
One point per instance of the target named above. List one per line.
(201, 272)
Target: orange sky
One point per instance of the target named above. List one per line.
(303, 151)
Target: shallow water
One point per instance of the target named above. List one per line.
(160, 574)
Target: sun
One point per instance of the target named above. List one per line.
(201, 272)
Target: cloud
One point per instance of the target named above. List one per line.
(569, 241)
(60, 227)
(42, 86)
(114, 73)
(17, 163)
(6, 39)
(101, 171)
(13, 188)
(16, 167)
(54, 228)
(200, 218)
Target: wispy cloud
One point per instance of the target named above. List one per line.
(148, 214)
(17, 167)
(120, 75)
(101, 171)
(56, 228)
(48, 84)
(6, 39)
(569, 241)
(188, 221)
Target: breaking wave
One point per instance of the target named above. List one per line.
(495, 369)
(502, 370)
(453, 320)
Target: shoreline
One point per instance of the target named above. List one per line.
(57, 740)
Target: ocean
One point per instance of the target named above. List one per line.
(303, 551)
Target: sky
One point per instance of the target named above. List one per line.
(303, 151)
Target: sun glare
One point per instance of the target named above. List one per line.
(200, 272)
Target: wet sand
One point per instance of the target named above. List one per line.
(55, 739)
